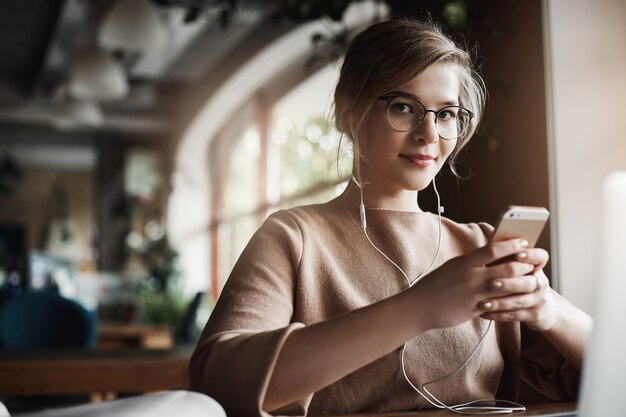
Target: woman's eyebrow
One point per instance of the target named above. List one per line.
(405, 94)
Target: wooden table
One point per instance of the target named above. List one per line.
(88, 371)
(122, 335)
(533, 410)
(134, 371)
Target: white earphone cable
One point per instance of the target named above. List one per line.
(471, 407)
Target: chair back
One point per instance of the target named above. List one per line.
(45, 320)
(187, 331)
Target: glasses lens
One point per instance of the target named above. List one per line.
(405, 113)
(453, 122)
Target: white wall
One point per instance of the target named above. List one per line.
(586, 91)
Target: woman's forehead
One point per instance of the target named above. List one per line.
(438, 84)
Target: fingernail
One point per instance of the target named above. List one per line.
(485, 305)
(495, 285)
(522, 255)
(523, 243)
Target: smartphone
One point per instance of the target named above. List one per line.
(522, 222)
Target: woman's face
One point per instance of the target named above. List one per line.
(394, 161)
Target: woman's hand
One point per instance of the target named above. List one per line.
(541, 308)
(532, 300)
(463, 287)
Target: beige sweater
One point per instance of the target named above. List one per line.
(312, 263)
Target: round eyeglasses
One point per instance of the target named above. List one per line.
(406, 112)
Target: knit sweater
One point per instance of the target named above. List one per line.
(312, 263)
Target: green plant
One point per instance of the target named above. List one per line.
(159, 296)
(159, 307)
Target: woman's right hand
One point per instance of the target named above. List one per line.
(457, 291)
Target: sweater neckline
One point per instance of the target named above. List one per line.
(395, 210)
(341, 202)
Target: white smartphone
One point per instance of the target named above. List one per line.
(523, 222)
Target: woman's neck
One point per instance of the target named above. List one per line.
(374, 197)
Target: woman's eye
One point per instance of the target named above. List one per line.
(446, 114)
(402, 108)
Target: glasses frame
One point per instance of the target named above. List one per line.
(390, 97)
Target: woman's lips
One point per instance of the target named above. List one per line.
(420, 160)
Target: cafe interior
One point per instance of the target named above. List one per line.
(142, 142)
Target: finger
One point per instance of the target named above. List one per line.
(496, 250)
(511, 303)
(543, 283)
(525, 315)
(514, 285)
(509, 270)
(536, 256)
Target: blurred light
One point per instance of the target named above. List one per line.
(279, 137)
(142, 176)
(304, 149)
(284, 124)
(455, 13)
(251, 144)
(134, 240)
(154, 231)
(251, 135)
(313, 133)
(132, 25)
(95, 76)
(328, 142)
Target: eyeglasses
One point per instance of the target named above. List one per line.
(405, 113)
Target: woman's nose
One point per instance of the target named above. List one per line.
(427, 130)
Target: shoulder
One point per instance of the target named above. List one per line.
(313, 217)
(478, 233)
(294, 222)
(289, 231)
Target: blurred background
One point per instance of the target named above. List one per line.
(142, 142)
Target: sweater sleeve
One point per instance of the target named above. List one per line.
(237, 351)
(545, 369)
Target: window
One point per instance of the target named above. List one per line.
(240, 208)
(304, 164)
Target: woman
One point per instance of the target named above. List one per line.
(315, 314)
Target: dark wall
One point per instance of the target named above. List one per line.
(509, 154)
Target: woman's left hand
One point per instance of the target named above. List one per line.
(533, 301)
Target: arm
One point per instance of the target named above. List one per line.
(570, 332)
(318, 355)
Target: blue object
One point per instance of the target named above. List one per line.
(45, 320)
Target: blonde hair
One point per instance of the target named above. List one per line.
(388, 55)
